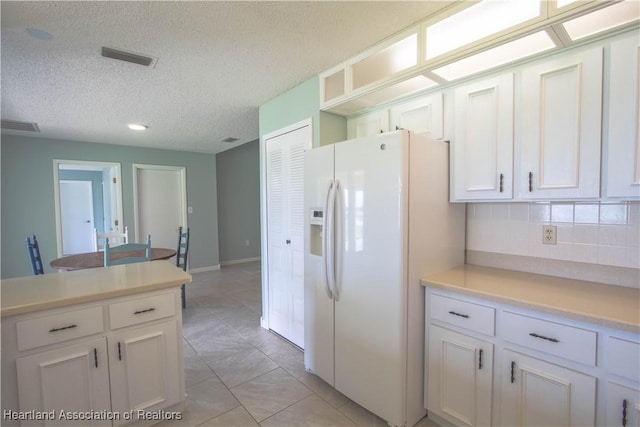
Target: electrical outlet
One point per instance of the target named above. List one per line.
(549, 234)
(246, 243)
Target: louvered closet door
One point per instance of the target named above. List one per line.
(285, 222)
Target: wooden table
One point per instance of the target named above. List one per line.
(96, 259)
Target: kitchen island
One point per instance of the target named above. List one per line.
(530, 349)
(93, 347)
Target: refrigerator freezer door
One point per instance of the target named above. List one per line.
(319, 326)
(370, 309)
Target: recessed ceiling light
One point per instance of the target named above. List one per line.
(230, 139)
(134, 126)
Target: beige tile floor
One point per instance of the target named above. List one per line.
(239, 374)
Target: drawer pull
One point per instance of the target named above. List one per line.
(95, 356)
(501, 182)
(513, 372)
(624, 413)
(144, 311)
(480, 359)
(466, 316)
(530, 182)
(119, 352)
(542, 337)
(63, 328)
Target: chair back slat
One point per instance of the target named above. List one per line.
(182, 251)
(127, 253)
(33, 252)
(115, 238)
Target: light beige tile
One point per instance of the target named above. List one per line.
(290, 359)
(238, 417)
(311, 411)
(206, 400)
(270, 393)
(240, 367)
(326, 392)
(196, 370)
(361, 416)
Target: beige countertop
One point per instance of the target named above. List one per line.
(613, 306)
(26, 294)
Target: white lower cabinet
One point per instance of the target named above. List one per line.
(144, 368)
(460, 372)
(538, 393)
(98, 364)
(490, 363)
(44, 380)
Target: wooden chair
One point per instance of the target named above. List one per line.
(118, 255)
(33, 251)
(116, 238)
(182, 253)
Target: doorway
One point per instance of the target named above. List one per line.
(160, 203)
(75, 183)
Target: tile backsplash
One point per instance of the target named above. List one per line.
(594, 233)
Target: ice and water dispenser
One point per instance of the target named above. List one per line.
(315, 233)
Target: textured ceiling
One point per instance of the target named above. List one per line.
(217, 63)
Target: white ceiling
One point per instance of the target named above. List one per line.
(217, 63)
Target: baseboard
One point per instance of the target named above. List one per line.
(239, 261)
(204, 269)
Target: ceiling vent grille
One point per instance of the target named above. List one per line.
(24, 126)
(230, 139)
(134, 58)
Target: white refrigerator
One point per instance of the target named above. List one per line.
(378, 218)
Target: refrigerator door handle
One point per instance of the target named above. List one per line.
(338, 224)
(327, 241)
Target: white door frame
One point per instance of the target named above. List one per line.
(183, 189)
(87, 165)
(264, 244)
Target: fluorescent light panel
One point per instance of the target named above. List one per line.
(508, 52)
(603, 19)
(477, 22)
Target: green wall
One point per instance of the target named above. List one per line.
(239, 202)
(28, 195)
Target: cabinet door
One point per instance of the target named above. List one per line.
(145, 368)
(459, 377)
(285, 232)
(538, 393)
(73, 379)
(370, 124)
(623, 406)
(482, 147)
(560, 118)
(422, 116)
(623, 145)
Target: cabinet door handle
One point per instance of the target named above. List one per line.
(480, 359)
(513, 372)
(542, 337)
(466, 316)
(95, 356)
(144, 311)
(62, 328)
(624, 413)
(501, 182)
(530, 182)
(119, 352)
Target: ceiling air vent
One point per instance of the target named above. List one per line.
(230, 139)
(134, 58)
(25, 126)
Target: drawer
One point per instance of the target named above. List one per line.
(474, 317)
(59, 327)
(136, 311)
(623, 358)
(554, 338)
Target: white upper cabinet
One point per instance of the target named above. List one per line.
(422, 116)
(560, 118)
(370, 124)
(482, 148)
(622, 176)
